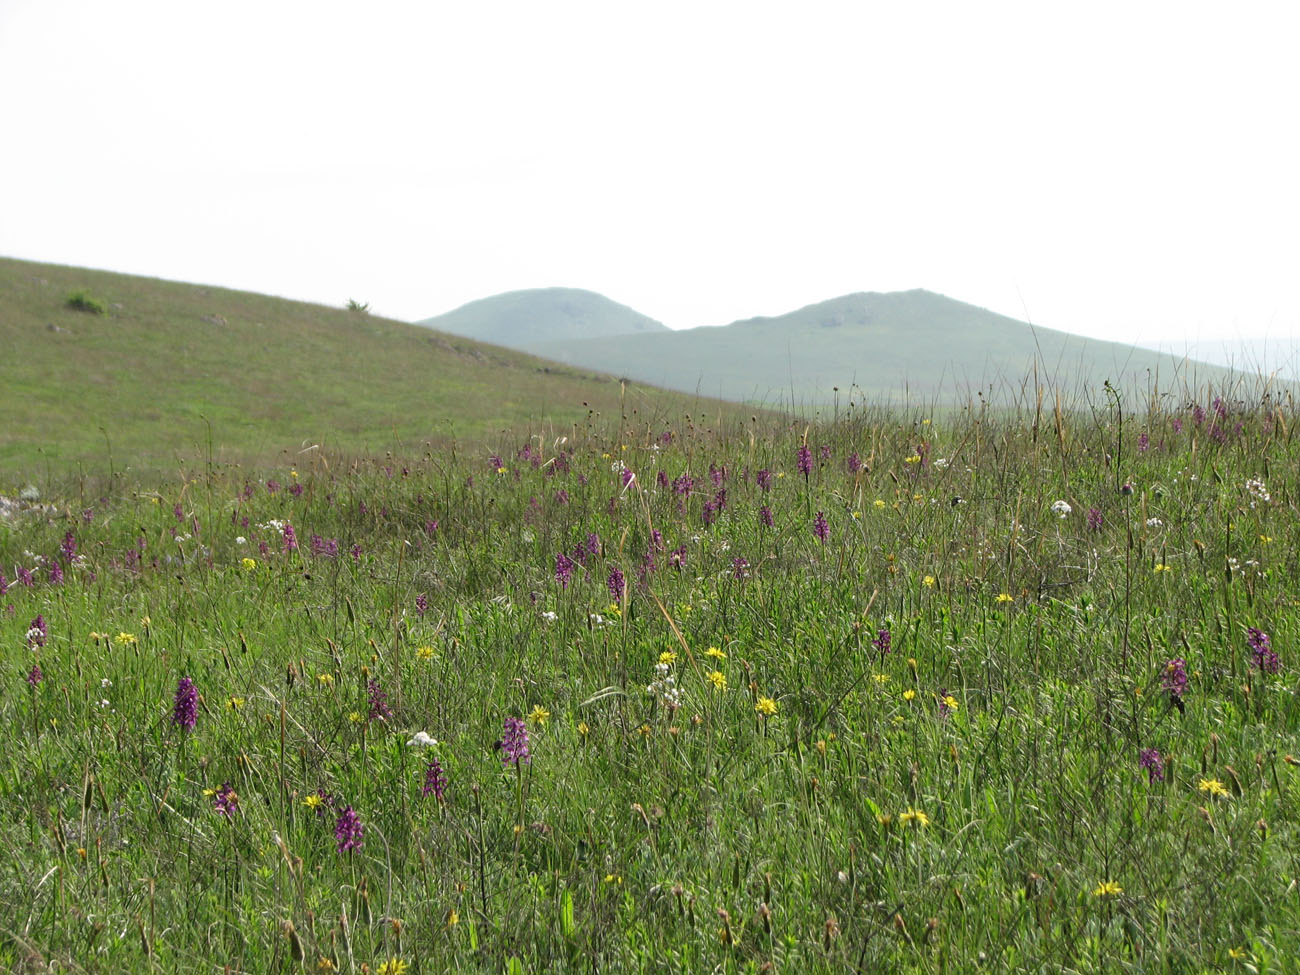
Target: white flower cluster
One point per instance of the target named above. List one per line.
(1155, 523)
(664, 688)
(1061, 508)
(275, 524)
(421, 739)
(1257, 491)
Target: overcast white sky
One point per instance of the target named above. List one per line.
(1121, 170)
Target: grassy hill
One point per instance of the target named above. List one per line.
(524, 319)
(169, 367)
(913, 343)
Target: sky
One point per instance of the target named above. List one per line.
(1127, 171)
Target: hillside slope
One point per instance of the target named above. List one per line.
(173, 367)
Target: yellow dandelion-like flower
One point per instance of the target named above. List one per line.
(951, 703)
(1212, 787)
(715, 653)
(424, 653)
(234, 703)
(326, 680)
(248, 564)
(914, 459)
(879, 503)
(1237, 954)
(765, 706)
(313, 801)
(145, 621)
(914, 817)
(857, 515)
(668, 657)
(1005, 597)
(453, 918)
(1265, 539)
(539, 715)
(718, 679)
(613, 878)
(925, 422)
(909, 695)
(583, 728)
(928, 582)
(355, 717)
(1107, 888)
(1162, 567)
(880, 678)
(125, 639)
(502, 470)
(394, 966)
(644, 731)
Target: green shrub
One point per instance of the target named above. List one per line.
(83, 300)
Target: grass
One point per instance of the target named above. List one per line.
(808, 795)
(173, 370)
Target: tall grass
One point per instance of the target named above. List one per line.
(914, 746)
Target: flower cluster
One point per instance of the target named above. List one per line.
(514, 743)
(186, 704)
(1151, 760)
(664, 687)
(435, 780)
(1174, 680)
(348, 830)
(1261, 648)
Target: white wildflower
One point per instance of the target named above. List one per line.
(421, 739)
(1061, 508)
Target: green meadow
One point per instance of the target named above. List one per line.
(991, 690)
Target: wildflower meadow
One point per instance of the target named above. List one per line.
(913, 690)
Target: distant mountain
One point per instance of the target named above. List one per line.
(871, 347)
(523, 319)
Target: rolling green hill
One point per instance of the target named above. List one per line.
(170, 367)
(882, 346)
(522, 319)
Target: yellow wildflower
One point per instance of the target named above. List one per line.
(234, 703)
(880, 678)
(951, 702)
(1212, 787)
(326, 680)
(879, 502)
(668, 657)
(453, 918)
(125, 639)
(583, 727)
(1162, 567)
(1005, 597)
(424, 653)
(765, 706)
(715, 653)
(914, 816)
(1107, 888)
(928, 581)
(909, 694)
(539, 715)
(313, 801)
(248, 564)
(718, 679)
(355, 717)
(394, 966)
